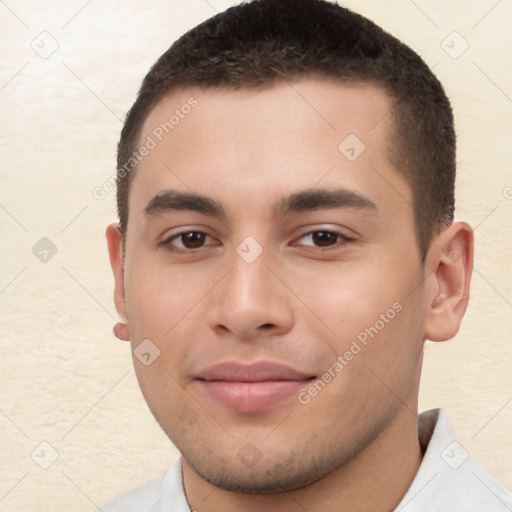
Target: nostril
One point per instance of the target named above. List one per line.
(267, 326)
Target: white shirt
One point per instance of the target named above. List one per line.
(447, 480)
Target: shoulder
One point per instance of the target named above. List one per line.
(448, 480)
(161, 494)
(140, 499)
(471, 488)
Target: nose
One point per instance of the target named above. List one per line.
(250, 302)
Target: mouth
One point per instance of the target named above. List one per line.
(251, 387)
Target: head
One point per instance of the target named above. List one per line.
(292, 226)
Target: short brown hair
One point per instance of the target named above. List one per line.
(263, 42)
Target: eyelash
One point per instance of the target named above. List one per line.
(167, 243)
(343, 240)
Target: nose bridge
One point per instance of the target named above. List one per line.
(248, 283)
(249, 297)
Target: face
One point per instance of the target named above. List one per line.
(271, 259)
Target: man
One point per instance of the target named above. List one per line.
(285, 246)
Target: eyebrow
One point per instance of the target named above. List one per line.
(318, 199)
(169, 200)
(308, 200)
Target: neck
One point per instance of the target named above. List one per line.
(376, 479)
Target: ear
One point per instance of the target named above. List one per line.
(451, 258)
(115, 251)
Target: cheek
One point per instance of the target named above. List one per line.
(160, 296)
(375, 322)
(349, 297)
(166, 304)
(372, 372)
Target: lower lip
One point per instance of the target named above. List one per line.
(251, 396)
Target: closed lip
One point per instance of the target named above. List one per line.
(251, 387)
(260, 371)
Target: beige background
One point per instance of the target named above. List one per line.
(65, 379)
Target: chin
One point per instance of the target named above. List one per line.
(282, 471)
(262, 479)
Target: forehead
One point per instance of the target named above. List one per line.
(254, 143)
(306, 105)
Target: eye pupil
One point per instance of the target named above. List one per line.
(324, 238)
(193, 240)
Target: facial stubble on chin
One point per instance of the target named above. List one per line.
(300, 469)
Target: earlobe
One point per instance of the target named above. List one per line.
(121, 331)
(451, 259)
(115, 250)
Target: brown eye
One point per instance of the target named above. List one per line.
(188, 240)
(193, 240)
(322, 239)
